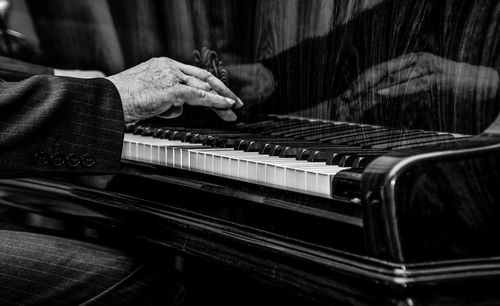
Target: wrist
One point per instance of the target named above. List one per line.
(127, 109)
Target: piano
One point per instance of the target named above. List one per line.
(399, 207)
(320, 211)
(311, 203)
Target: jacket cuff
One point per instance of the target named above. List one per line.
(70, 125)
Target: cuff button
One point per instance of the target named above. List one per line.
(58, 159)
(41, 158)
(88, 160)
(73, 160)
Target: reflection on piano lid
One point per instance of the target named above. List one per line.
(313, 157)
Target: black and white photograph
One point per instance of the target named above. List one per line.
(250, 152)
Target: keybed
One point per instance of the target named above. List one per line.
(291, 154)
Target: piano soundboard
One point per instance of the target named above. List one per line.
(312, 157)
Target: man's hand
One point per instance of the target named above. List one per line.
(161, 85)
(416, 73)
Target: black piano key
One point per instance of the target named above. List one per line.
(170, 134)
(137, 130)
(274, 149)
(317, 156)
(149, 131)
(304, 153)
(203, 133)
(179, 135)
(158, 132)
(227, 143)
(129, 128)
(362, 161)
(163, 134)
(259, 145)
(359, 160)
(245, 143)
(335, 157)
(220, 139)
(212, 139)
(347, 160)
(290, 152)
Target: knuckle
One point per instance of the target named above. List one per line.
(201, 94)
(211, 78)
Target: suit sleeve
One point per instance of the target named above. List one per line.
(16, 70)
(51, 125)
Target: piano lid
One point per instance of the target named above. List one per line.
(409, 64)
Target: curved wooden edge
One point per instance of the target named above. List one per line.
(379, 184)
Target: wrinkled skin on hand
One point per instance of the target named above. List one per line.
(161, 85)
(413, 74)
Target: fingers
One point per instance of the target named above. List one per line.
(376, 74)
(196, 83)
(198, 97)
(214, 82)
(413, 86)
(172, 112)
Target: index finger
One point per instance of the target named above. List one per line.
(198, 97)
(216, 84)
(377, 73)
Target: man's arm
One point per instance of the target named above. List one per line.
(16, 70)
(53, 124)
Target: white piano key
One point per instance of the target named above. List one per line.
(217, 164)
(125, 149)
(285, 173)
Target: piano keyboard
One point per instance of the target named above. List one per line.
(288, 153)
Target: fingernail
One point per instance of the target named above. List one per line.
(230, 101)
(241, 102)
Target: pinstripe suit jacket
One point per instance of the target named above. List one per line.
(54, 124)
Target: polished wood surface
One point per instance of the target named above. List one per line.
(327, 43)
